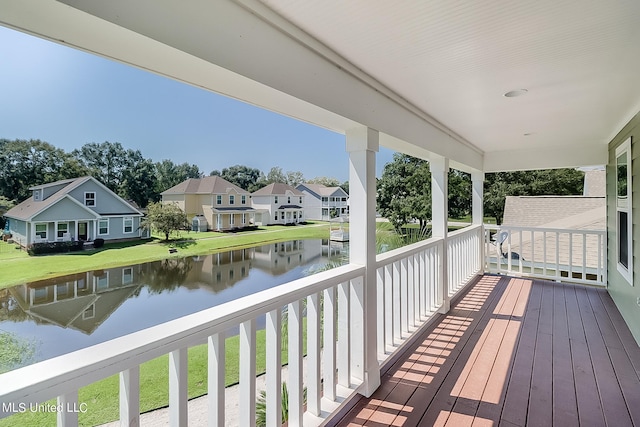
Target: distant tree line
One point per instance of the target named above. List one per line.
(404, 190)
(26, 163)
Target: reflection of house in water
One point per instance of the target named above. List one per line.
(80, 301)
(278, 258)
(219, 271)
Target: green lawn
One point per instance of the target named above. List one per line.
(17, 267)
(101, 398)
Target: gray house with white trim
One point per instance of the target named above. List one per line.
(73, 209)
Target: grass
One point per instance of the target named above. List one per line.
(102, 401)
(17, 267)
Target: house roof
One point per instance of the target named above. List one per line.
(320, 190)
(52, 184)
(282, 207)
(206, 185)
(578, 212)
(231, 210)
(595, 183)
(29, 208)
(277, 189)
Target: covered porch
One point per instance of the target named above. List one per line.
(231, 218)
(459, 100)
(67, 231)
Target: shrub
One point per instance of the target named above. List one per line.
(98, 243)
(49, 248)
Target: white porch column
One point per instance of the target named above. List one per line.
(477, 211)
(362, 145)
(440, 212)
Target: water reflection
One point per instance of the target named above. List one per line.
(72, 312)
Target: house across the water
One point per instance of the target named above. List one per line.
(72, 210)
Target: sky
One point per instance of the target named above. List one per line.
(68, 98)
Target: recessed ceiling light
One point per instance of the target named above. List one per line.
(514, 93)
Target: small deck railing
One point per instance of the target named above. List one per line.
(569, 255)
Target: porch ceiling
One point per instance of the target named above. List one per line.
(455, 60)
(430, 76)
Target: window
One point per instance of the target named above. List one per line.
(232, 199)
(244, 217)
(89, 313)
(41, 231)
(276, 216)
(103, 226)
(218, 199)
(127, 225)
(90, 199)
(289, 200)
(36, 195)
(623, 211)
(275, 199)
(63, 228)
(300, 199)
(127, 275)
(243, 200)
(102, 281)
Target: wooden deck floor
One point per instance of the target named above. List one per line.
(514, 352)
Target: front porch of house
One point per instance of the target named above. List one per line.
(225, 219)
(67, 231)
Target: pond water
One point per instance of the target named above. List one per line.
(68, 313)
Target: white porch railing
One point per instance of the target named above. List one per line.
(549, 253)
(410, 291)
(410, 286)
(465, 257)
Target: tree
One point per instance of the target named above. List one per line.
(165, 218)
(242, 176)
(105, 162)
(169, 174)
(404, 191)
(325, 180)
(276, 175)
(139, 182)
(459, 193)
(25, 163)
(5, 205)
(345, 186)
(294, 178)
(124, 171)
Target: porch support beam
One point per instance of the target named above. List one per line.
(477, 211)
(362, 145)
(439, 211)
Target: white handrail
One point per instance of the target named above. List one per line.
(572, 255)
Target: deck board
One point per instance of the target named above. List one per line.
(513, 352)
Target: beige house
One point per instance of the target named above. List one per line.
(224, 205)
